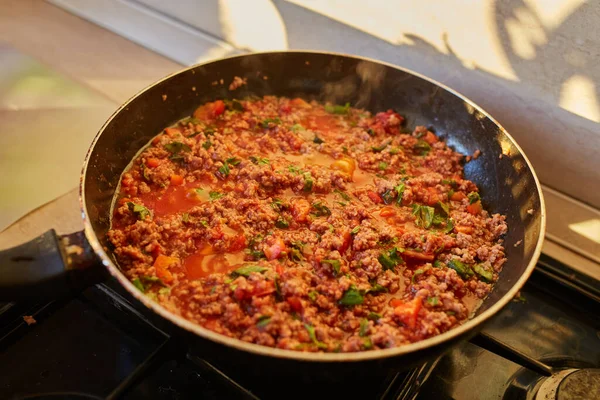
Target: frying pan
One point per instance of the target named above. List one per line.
(52, 265)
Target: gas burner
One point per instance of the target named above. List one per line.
(571, 385)
(62, 396)
(572, 380)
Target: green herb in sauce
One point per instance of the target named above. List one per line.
(352, 297)
(335, 265)
(473, 197)
(390, 259)
(424, 215)
(139, 210)
(263, 321)
(215, 195)
(422, 147)
(313, 337)
(336, 109)
(364, 327)
(247, 270)
(462, 269)
(484, 272)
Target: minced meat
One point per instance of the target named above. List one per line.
(304, 226)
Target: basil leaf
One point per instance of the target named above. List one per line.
(389, 260)
(422, 147)
(380, 148)
(373, 316)
(318, 140)
(320, 209)
(352, 297)
(462, 269)
(438, 264)
(164, 291)
(433, 301)
(335, 265)
(424, 215)
(188, 120)
(234, 105)
(450, 182)
(388, 196)
(449, 225)
(295, 170)
(259, 160)
(139, 210)
(247, 270)
(139, 285)
(224, 169)
(399, 192)
(278, 295)
(343, 195)
(296, 255)
(371, 132)
(152, 279)
(438, 220)
(473, 197)
(377, 288)
(383, 165)
(308, 182)
(415, 274)
(215, 195)
(297, 127)
(282, 223)
(364, 327)
(206, 145)
(263, 321)
(144, 170)
(445, 208)
(233, 161)
(313, 337)
(312, 295)
(485, 273)
(355, 230)
(339, 110)
(368, 344)
(266, 123)
(177, 147)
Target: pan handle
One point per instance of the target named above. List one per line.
(48, 266)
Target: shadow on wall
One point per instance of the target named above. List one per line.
(556, 79)
(562, 145)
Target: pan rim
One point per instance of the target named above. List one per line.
(257, 349)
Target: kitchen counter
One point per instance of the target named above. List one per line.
(117, 68)
(88, 54)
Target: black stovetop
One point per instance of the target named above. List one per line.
(96, 345)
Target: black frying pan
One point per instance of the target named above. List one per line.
(50, 265)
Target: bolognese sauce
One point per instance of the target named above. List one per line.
(306, 226)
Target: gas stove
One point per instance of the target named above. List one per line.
(543, 345)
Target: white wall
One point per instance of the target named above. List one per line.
(533, 64)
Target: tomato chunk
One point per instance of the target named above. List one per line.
(152, 162)
(275, 249)
(161, 265)
(375, 198)
(210, 110)
(417, 255)
(458, 196)
(407, 312)
(295, 303)
(345, 164)
(300, 210)
(176, 180)
(474, 208)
